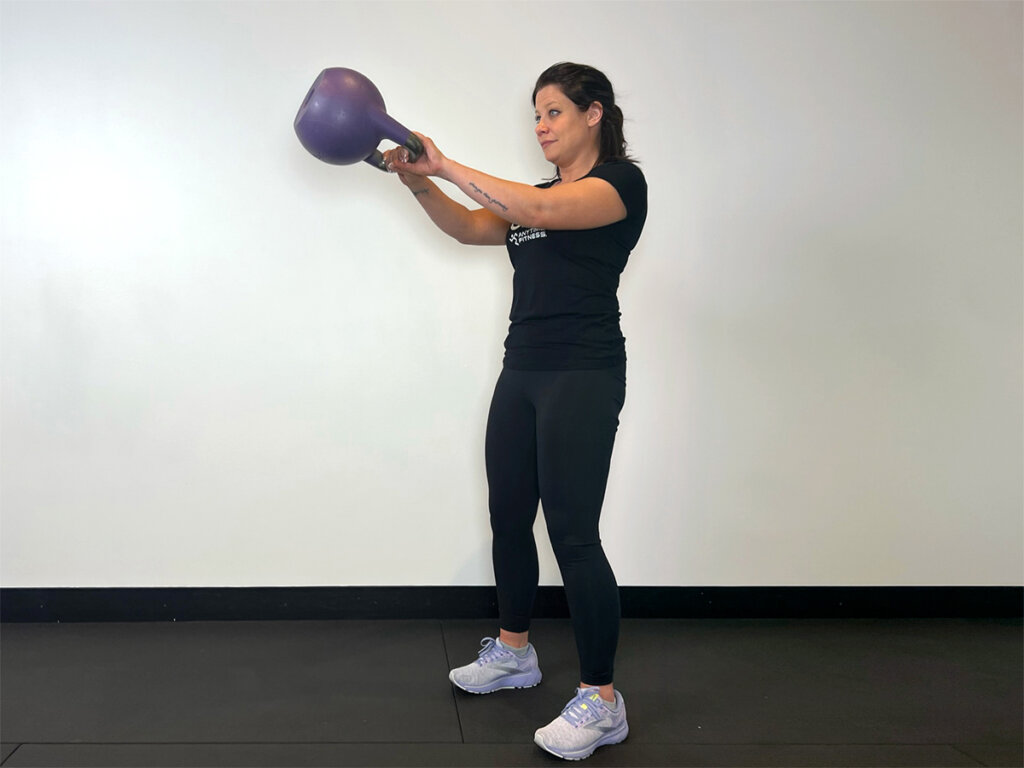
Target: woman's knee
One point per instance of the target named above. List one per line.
(510, 522)
(573, 546)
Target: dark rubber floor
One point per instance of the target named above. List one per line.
(376, 693)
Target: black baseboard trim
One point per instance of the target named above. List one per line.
(330, 603)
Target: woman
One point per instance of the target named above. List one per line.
(554, 413)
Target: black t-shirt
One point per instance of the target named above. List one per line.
(565, 312)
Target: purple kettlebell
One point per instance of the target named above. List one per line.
(343, 119)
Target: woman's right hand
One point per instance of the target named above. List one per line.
(401, 154)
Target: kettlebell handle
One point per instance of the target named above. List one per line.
(413, 144)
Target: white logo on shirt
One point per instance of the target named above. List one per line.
(519, 236)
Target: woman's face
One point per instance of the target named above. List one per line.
(562, 130)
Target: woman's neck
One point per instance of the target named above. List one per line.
(579, 167)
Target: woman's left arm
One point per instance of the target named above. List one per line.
(584, 204)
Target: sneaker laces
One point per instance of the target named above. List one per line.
(584, 707)
(491, 651)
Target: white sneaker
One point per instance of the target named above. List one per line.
(497, 668)
(586, 723)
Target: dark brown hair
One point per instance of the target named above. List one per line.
(583, 86)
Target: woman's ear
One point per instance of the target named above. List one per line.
(594, 114)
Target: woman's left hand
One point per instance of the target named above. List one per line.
(429, 163)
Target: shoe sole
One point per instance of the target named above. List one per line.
(613, 737)
(509, 683)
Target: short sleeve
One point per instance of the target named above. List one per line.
(629, 182)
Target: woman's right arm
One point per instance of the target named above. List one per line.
(470, 227)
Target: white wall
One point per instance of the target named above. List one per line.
(225, 363)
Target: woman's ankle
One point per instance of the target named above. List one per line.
(607, 692)
(514, 639)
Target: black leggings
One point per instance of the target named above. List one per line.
(549, 438)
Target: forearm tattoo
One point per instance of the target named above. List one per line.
(418, 192)
(488, 198)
